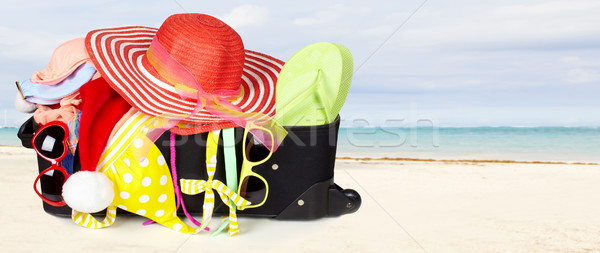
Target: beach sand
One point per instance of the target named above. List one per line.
(407, 206)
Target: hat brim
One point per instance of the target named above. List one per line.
(119, 56)
(66, 87)
(66, 58)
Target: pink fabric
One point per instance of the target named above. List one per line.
(66, 111)
(65, 59)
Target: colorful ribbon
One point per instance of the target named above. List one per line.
(193, 187)
(73, 125)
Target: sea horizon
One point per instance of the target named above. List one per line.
(506, 143)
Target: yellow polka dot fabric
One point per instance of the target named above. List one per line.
(142, 185)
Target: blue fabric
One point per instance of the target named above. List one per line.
(42, 101)
(49, 94)
(67, 162)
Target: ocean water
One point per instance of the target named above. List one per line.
(8, 136)
(567, 144)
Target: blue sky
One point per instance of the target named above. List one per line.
(457, 63)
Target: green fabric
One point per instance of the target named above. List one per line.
(313, 85)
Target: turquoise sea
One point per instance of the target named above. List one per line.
(568, 144)
(8, 136)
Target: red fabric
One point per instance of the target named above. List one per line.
(102, 108)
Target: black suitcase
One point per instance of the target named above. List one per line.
(300, 174)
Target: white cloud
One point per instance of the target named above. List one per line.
(578, 62)
(335, 13)
(320, 17)
(547, 24)
(305, 21)
(29, 45)
(581, 70)
(583, 75)
(378, 31)
(246, 15)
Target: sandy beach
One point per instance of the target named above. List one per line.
(407, 206)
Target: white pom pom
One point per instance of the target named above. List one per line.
(23, 106)
(88, 191)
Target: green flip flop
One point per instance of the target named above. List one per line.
(313, 85)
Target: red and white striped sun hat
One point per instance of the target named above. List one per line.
(206, 47)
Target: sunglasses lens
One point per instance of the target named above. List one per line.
(49, 142)
(51, 185)
(253, 189)
(255, 150)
